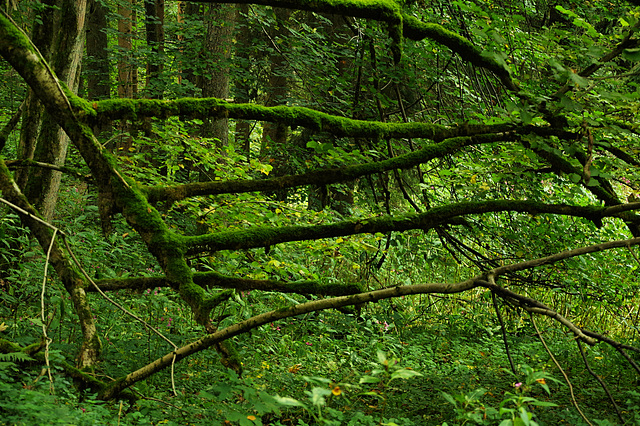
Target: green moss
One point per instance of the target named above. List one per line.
(80, 106)
(291, 116)
(12, 36)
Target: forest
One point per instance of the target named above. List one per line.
(319, 212)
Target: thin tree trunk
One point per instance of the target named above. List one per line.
(242, 88)
(97, 63)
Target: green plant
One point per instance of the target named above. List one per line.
(384, 372)
(513, 410)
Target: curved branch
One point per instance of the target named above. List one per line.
(529, 264)
(244, 326)
(258, 320)
(400, 24)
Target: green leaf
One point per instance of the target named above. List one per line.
(632, 55)
(290, 402)
(369, 379)
(404, 374)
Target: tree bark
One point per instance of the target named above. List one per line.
(154, 25)
(65, 20)
(220, 22)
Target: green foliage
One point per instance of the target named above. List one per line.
(565, 120)
(514, 410)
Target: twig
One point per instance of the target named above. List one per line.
(47, 340)
(602, 383)
(36, 218)
(504, 331)
(573, 398)
(633, 254)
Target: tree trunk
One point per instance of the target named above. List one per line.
(65, 21)
(154, 25)
(97, 64)
(220, 21)
(242, 88)
(127, 71)
(274, 136)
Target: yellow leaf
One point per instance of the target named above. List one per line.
(473, 179)
(252, 418)
(3, 327)
(295, 368)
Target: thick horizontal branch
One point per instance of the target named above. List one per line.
(265, 236)
(212, 279)
(324, 176)
(115, 109)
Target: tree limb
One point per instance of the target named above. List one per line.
(268, 236)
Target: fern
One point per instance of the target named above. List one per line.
(15, 357)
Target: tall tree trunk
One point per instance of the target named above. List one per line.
(154, 25)
(127, 71)
(61, 41)
(274, 136)
(242, 92)
(97, 62)
(220, 21)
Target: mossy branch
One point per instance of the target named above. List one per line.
(415, 29)
(133, 109)
(212, 279)
(266, 236)
(401, 25)
(324, 176)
